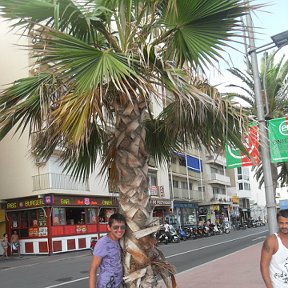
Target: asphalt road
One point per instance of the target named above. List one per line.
(71, 269)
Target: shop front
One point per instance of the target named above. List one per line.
(58, 223)
(215, 213)
(185, 213)
(161, 207)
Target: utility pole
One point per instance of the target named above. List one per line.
(263, 135)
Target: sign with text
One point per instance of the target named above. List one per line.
(83, 201)
(61, 200)
(278, 136)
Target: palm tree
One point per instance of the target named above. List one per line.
(273, 77)
(98, 66)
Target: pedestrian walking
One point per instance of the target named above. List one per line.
(15, 244)
(107, 256)
(5, 244)
(274, 255)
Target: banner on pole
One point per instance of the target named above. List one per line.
(235, 158)
(278, 136)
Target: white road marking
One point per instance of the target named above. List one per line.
(208, 246)
(261, 237)
(65, 283)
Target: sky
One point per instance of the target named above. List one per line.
(268, 21)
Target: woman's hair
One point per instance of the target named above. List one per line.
(117, 217)
(282, 213)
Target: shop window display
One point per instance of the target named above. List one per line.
(28, 223)
(104, 214)
(75, 215)
(59, 217)
(91, 216)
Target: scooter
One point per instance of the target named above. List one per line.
(182, 234)
(174, 237)
(161, 236)
(93, 242)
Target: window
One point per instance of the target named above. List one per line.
(221, 171)
(104, 214)
(152, 179)
(175, 184)
(247, 186)
(201, 188)
(213, 170)
(33, 219)
(24, 219)
(184, 185)
(240, 185)
(91, 216)
(59, 217)
(182, 161)
(215, 190)
(75, 215)
(173, 159)
(222, 191)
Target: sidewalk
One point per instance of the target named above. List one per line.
(237, 270)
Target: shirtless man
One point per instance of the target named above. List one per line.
(274, 255)
(15, 242)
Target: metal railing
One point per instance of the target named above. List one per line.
(219, 178)
(58, 181)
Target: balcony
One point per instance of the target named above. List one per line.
(221, 198)
(216, 178)
(58, 182)
(218, 159)
(181, 171)
(180, 193)
(154, 191)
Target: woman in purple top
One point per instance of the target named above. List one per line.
(107, 256)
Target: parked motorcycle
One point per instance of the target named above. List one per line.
(182, 234)
(188, 231)
(93, 242)
(173, 235)
(240, 226)
(161, 236)
(226, 227)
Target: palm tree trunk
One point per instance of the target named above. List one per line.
(132, 171)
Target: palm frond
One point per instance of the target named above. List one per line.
(199, 28)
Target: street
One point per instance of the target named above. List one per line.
(71, 269)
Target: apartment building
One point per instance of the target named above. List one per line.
(53, 213)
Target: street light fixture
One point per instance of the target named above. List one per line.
(279, 41)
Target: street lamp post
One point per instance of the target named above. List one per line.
(279, 41)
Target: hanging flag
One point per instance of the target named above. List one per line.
(235, 158)
(278, 136)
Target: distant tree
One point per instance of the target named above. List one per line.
(273, 77)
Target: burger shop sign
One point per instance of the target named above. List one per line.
(60, 201)
(25, 204)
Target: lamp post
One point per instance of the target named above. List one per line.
(278, 41)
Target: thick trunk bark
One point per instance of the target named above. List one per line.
(140, 253)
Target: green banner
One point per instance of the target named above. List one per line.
(278, 136)
(235, 158)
